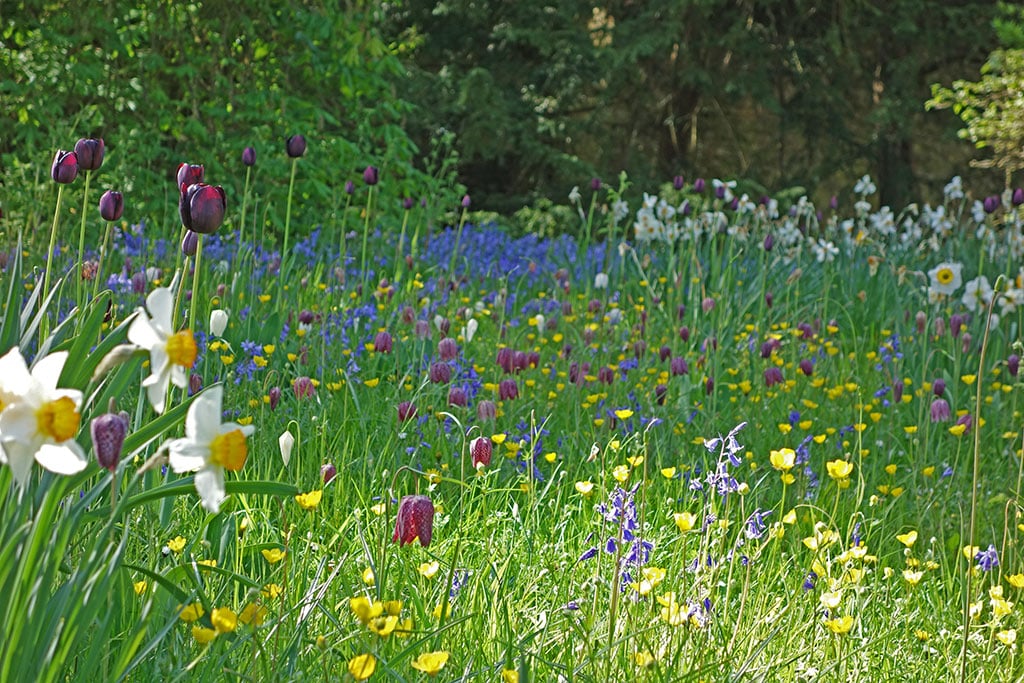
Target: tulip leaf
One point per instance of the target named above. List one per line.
(186, 485)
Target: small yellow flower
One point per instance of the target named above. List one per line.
(1016, 580)
(140, 587)
(1007, 637)
(783, 459)
(309, 501)
(271, 590)
(364, 609)
(668, 472)
(840, 625)
(509, 676)
(372, 382)
(362, 666)
(958, 430)
(430, 663)
(684, 520)
(621, 473)
(368, 577)
(830, 600)
(968, 379)
(383, 626)
(176, 544)
(912, 577)
(253, 614)
(624, 414)
(224, 619)
(202, 634)
(429, 569)
(273, 555)
(585, 488)
(908, 539)
(644, 659)
(970, 551)
(191, 612)
(922, 635)
(839, 469)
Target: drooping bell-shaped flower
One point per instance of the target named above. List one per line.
(415, 519)
(108, 432)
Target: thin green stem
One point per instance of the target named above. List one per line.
(81, 241)
(366, 236)
(282, 272)
(44, 326)
(245, 203)
(195, 285)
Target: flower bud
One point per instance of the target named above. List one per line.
(660, 392)
(939, 387)
(383, 343)
(595, 184)
(90, 153)
(350, 187)
(447, 348)
(328, 471)
(1013, 364)
(698, 185)
(508, 390)
(108, 432)
(486, 410)
(406, 411)
(303, 387)
(275, 397)
(190, 243)
(1017, 198)
(457, 397)
(111, 205)
(440, 373)
(678, 182)
(195, 384)
(407, 203)
(190, 174)
(218, 322)
(465, 201)
(64, 169)
(415, 519)
(249, 156)
(481, 449)
(202, 207)
(295, 146)
(371, 176)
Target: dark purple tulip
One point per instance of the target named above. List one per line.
(190, 174)
(769, 242)
(447, 348)
(519, 361)
(664, 353)
(190, 243)
(486, 410)
(65, 167)
(698, 185)
(687, 209)
(202, 207)
(108, 432)
(1013, 364)
(422, 329)
(504, 359)
(768, 299)
(595, 184)
(406, 411)
(328, 471)
(465, 201)
(457, 397)
(111, 205)
(303, 387)
(249, 156)
(371, 176)
(275, 397)
(991, 203)
(90, 153)
(956, 321)
(508, 390)
(350, 187)
(967, 421)
(684, 333)
(481, 449)
(678, 182)
(383, 343)
(1017, 198)
(720, 192)
(440, 373)
(709, 386)
(295, 146)
(415, 519)
(735, 203)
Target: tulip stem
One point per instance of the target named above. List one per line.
(366, 235)
(455, 249)
(398, 251)
(44, 325)
(245, 202)
(99, 264)
(81, 243)
(195, 284)
(287, 226)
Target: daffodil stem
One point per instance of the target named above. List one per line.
(81, 242)
(44, 325)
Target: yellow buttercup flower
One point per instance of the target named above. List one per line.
(362, 666)
(309, 501)
(908, 539)
(431, 663)
(273, 555)
(840, 625)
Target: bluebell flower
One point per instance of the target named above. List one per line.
(987, 559)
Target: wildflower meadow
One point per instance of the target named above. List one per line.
(697, 435)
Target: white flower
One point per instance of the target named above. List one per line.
(170, 353)
(620, 209)
(470, 329)
(864, 187)
(977, 293)
(574, 195)
(824, 250)
(954, 189)
(286, 442)
(38, 420)
(209, 447)
(218, 322)
(945, 279)
(601, 281)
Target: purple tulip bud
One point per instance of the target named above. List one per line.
(720, 192)
(139, 283)
(698, 185)
(407, 203)
(769, 242)
(190, 174)
(991, 203)
(508, 390)
(707, 304)
(90, 153)
(383, 343)
(371, 176)
(833, 202)
(486, 410)
(202, 207)
(275, 397)
(111, 205)
(678, 182)
(504, 359)
(108, 432)
(65, 167)
(734, 204)
(1017, 198)
(422, 329)
(480, 450)
(406, 411)
(295, 146)
(664, 353)
(920, 322)
(956, 321)
(350, 187)
(306, 316)
(328, 471)
(465, 201)
(684, 333)
(939, 410)
(687, 209)
(595, 184)
(457, 397)
(769, 299)
(415, 519)
(249, 156)
(190, 243)
(605, 375)
(709, 386)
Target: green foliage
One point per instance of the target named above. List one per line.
(992, 109)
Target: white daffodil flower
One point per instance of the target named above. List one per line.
(171, 353)
(37, 420)
(209, 447)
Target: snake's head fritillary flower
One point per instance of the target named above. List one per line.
(415, 519)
